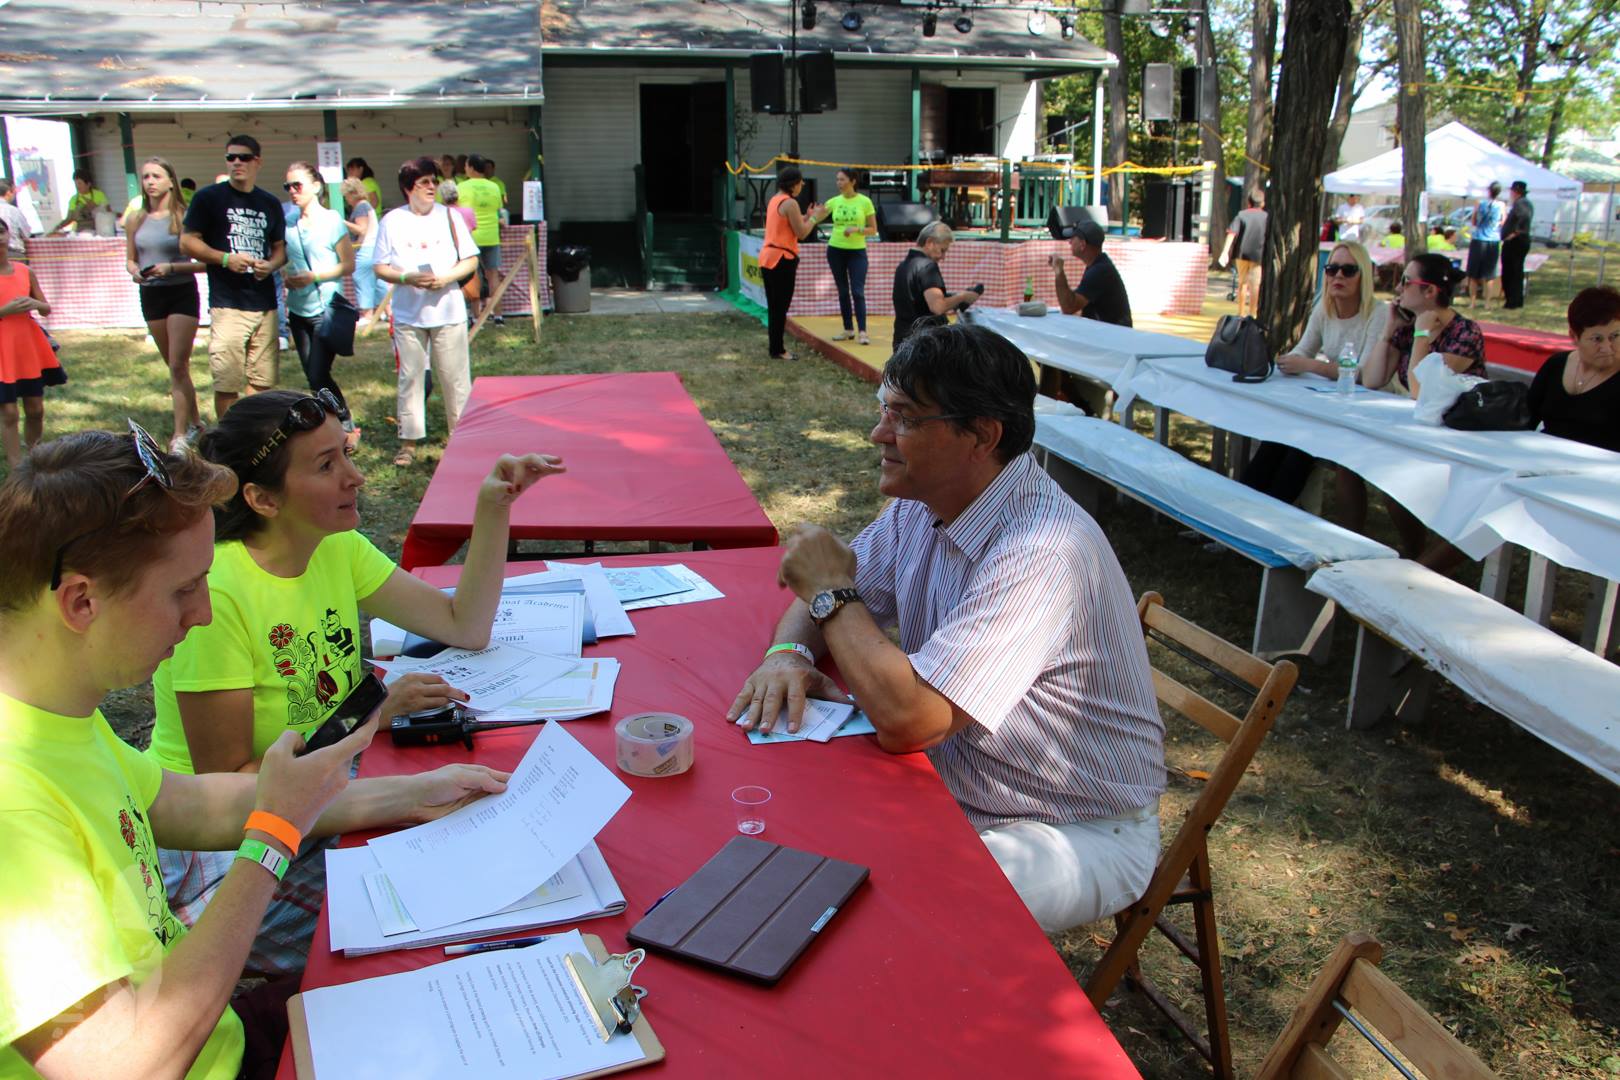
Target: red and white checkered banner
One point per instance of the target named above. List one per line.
(1161, 278)
(88, 286)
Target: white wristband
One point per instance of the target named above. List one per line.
(793, 646)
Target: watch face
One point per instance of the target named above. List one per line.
(821, 605)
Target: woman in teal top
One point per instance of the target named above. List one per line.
(853, 219)
(319, 256)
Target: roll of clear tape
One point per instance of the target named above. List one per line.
(654, 744)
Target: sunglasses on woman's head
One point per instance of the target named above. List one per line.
(1343, 269)
(305, 414)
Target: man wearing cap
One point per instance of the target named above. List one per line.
(1516, 244)
(1101, 294)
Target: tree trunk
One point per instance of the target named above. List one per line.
(1209, 134)
(1119, 131)
(1305, 88)
(1555, 128)
(1518, 140)
(1262, 51)
(1410, 106)
(1349, 67)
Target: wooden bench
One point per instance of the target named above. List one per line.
(1083, 453)
(1551, 687)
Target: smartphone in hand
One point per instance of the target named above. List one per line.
(351, 712)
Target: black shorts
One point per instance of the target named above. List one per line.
(158, 302)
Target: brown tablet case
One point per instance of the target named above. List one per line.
(752, 909)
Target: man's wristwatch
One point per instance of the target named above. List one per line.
(824, 605)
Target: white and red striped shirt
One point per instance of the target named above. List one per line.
(1019, 614)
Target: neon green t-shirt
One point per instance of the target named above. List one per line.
(295, 642)
(849, 210)
(498, 182)
(82, 896)
(370, 184)
(1395, 240)
(484, 199)
(96, 197)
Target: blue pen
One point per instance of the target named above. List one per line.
(493, 946)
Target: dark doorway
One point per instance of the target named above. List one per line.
(683, 140)
(970, 122)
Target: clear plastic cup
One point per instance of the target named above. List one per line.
(749, 802)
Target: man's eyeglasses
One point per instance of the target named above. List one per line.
(293, 185)
(305, 414)
(157, 472)
(234, 158)
(1343, 269)
(903, 423)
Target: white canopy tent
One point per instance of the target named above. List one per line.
(1460, 162)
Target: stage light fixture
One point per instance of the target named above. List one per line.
(1066, 25)
(809, 20)
(963, 24)
(930, 24)
(1037, 22)
(851, 21)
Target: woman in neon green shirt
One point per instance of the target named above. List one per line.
(853, 220)
(283, 649)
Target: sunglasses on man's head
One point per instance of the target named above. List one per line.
(233, 158)
(1343, 269)
(150, 456)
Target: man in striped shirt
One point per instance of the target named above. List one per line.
(1021, 668)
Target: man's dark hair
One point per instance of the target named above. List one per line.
(5, 187)
(969, 373)
(83, 174)
(244, 140)
(413, 170)
(189, 184)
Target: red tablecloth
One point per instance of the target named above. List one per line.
(1516, 347)
(934, 968)
(642, 465)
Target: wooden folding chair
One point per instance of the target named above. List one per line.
(1183, 873)
(1351, 981)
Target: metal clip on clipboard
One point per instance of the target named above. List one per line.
(615, 1002)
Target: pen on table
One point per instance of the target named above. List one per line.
(493, 946)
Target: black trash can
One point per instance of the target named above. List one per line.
(571, 279)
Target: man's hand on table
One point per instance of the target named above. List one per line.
(784, 678)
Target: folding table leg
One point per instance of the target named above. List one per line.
(1217, 450)
(1385, 681)
(1291, 619)
(1601, 625)
(1161, 425)
(1538, 593)
(1493, 577)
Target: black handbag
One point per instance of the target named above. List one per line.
(1499, 405)
(336, 328)
(1239, 346)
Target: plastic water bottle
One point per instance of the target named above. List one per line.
(1348, 365)
(1029, 289)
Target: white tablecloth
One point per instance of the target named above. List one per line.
(1573, 519)
(1447, 478)
(1096, 350)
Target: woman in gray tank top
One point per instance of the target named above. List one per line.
(168, 286)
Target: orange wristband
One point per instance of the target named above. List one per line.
(277, 827)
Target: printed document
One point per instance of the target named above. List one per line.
(490, 677)
(700, 590)
(822, 722)
(486, 855)
(551, 624)
(585, 691)
(512, 1013)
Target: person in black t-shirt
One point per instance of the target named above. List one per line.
(238, 231)
(919, 287)
(1101, 294)
(1576, 395)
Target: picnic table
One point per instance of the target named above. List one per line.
(1101, 352)
(642, 465)
(1519, 347)
(933, 968)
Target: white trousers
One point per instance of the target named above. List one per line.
(1070, 875)
(446, 347)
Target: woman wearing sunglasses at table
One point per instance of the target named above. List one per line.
(1421, 321)
(283, 649)
(1346, 313)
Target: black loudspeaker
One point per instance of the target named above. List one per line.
(1062, 217)
(1168, 213)
(767, 83)
(1156, 91)
(902, 220)
(818, 86)
(1197, 86)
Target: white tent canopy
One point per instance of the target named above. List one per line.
(1460, 162)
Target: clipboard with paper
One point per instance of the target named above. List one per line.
(476, 1016)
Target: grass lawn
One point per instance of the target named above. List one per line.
(1487, 862)
(1548, 291)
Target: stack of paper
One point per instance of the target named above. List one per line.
(695, 588)
(822, 721)
(585, 691)
(519, 859)
(492, 677)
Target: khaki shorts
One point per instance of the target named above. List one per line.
(1245, 268)
(242, 350)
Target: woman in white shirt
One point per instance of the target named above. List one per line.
(426, 252)
(1346, 312)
